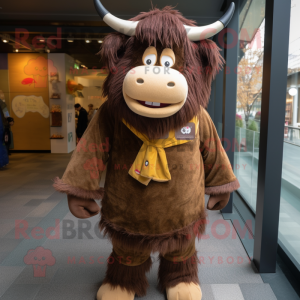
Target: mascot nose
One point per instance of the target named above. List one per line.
(155, 83)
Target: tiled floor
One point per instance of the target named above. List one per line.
(33, 215)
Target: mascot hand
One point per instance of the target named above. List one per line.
(83, 208)
(217, 202)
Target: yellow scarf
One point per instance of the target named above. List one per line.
(151, 161)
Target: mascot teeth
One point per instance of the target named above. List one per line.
(152, 103)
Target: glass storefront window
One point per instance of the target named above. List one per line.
(249, 89)
(247, 134)
(289, 222)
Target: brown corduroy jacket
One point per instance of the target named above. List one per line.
(197, 167)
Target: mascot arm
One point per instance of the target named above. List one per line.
(88, 162)
(220, 180)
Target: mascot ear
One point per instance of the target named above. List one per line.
(211, 59)
(113, 48)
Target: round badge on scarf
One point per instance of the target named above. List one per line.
(146, 163)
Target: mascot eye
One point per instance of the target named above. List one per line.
(150, 60)
(166, 61)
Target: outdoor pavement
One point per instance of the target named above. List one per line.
(289, 219)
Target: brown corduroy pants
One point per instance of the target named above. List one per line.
(127, 268)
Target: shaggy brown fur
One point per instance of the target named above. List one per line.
(199, 63)
(162, 243)
(62, 187)
(132, 279)
(173, 273)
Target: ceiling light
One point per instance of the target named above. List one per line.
(16, 50)
(41, 39)
(5, 38)
(293, 91)
(47, 49)
(70, 39)
(87, 41)
(100, 41)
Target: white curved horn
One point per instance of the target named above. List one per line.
(204, 32)
(120, 25)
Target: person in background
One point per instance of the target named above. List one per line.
(91, 112)
(3, 151)
(8, 121)
(82, 121)
(8, 134)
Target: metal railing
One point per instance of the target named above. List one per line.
(292, 135)
(246, 163)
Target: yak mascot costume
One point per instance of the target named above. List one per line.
(160, 149)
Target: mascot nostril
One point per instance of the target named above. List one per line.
(160, 151)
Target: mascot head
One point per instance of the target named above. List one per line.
(160, 68)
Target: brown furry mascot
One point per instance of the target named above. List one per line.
(160, 149)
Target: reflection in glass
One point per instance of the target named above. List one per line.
(249, 89)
